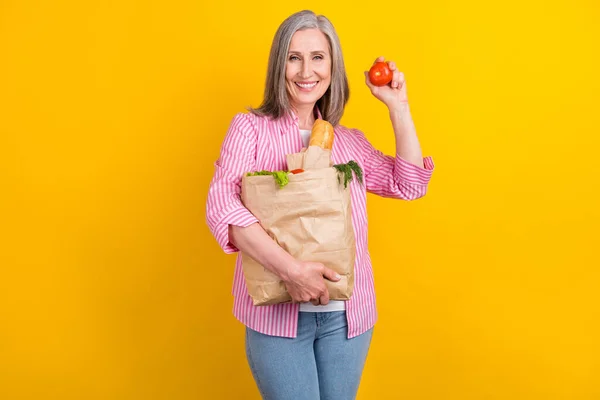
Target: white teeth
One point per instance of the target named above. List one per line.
(306, 85)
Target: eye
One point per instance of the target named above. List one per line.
(318, 57)
(294, 58)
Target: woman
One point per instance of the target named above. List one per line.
(311, 348)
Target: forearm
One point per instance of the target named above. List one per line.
(407, 142)
(256, 243)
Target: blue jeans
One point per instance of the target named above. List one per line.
(320, 363)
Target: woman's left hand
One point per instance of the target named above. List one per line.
(393, 94)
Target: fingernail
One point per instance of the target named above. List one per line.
(337, 276)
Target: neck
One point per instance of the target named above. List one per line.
(306, 118)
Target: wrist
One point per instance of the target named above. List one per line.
(283, 265)
(400, 108)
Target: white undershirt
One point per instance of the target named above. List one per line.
(305, 133)
(333, 305)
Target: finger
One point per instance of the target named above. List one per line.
(315, 302)
(392, 65)
(394, 82)
(401, 80)
(398, 80)
(331, 274)
(324, 299)
(379, 59)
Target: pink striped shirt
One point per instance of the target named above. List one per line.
(255, 143)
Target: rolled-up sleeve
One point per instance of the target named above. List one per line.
(393, 177)
(224, 206)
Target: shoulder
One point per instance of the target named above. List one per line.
(348, 133)
(255, 122)
(353, 140)
(245, 124)
(243, 121)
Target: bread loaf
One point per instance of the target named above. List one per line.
(321, 134)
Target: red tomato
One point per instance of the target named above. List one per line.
(297, 171)
(380, 74)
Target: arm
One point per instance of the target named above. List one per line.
(406, 175)
(407, 142)
(255, 242)
(303, 280)
(393, 177)
(224, 206)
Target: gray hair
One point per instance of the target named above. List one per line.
(276, 102)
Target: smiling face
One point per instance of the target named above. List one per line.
(308, 68)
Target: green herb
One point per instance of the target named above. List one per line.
(281, 177)
(346, 170)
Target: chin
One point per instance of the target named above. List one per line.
(311, 99)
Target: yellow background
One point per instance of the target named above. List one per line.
(112, 114)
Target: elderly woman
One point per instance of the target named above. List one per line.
(311, 348)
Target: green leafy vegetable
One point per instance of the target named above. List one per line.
(256, 173)
(347, 169)
(281, 177)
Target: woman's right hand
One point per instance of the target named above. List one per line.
(306, 282)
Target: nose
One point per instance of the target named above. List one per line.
(305, 72)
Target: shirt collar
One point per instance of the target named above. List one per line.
(292, 119)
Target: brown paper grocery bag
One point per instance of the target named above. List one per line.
(310, 218)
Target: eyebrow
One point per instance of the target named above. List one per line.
(312, 52)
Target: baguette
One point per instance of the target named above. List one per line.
(321, 134)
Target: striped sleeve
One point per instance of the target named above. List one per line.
(224, 206)
(393, 177)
